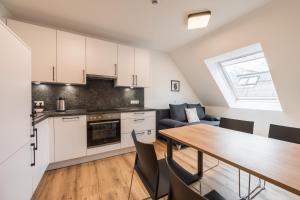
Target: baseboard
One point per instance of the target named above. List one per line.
(89, 158)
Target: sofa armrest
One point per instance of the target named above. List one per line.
(171, 123)
(211, 118)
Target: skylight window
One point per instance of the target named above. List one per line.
(249, 77)
(244, 79)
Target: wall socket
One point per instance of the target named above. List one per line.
(39, 103)
(135, 102)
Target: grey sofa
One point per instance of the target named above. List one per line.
(176, 117)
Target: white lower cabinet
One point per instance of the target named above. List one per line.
(70, 137)
(16, 175)
(143, 123)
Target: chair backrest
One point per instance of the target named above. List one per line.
(237, 125)
(288, 134)
(178, 189)
(146, 164)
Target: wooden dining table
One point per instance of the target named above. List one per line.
(274, 161)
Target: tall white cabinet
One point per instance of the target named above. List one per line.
(70, 58)
(42, 42)
(101, 58)
(15, 88)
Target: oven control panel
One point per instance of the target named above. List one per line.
(102, 117)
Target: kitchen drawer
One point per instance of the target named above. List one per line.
(138, 124)
(134, 115)
(142, 136)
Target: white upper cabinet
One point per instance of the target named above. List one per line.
(42, 42)
(125, 69)
(101, 58)
(70, 58)
(141, 67)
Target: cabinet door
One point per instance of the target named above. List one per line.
(41, 154)
(141, 67)
(16, 175)
(101, 58)
(70, 58)
(42, 42)
(125, 68)
(15, 89)
(70, 137)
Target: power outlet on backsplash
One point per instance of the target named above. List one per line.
(134, 102)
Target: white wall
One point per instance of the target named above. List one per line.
(276, 27)
(162, 71)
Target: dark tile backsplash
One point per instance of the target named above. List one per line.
(96, 94)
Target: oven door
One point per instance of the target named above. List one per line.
(103, 132)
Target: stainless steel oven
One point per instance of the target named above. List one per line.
(103, 129)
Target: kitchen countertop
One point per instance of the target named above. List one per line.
(47, 114)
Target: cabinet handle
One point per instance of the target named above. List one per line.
(115, 69)
(53, 73)
(136, 120)
(69, 118)
(33, 149)
(133, 80)
(36, 139)
(149, 132)
(83, 76)
(136, 80)
(140, 133)
(139, 113)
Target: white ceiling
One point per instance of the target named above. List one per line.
(138, 22)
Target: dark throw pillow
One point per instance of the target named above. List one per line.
(177, 112)
(199, 109)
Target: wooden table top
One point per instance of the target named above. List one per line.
(275, 161)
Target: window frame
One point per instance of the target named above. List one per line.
(233, 88)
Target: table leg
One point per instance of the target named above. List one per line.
(200, 164)
(169, 148)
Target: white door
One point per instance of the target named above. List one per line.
(141, 67)
(125, 69)
(42, 42)
(15, 90)
(101, 58)
(70, 58)
(16, 175)
(70, 137)
(42, 153)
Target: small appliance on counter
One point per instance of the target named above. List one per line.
(60, 104)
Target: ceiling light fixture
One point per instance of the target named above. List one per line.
(198, 20)
(154, 2)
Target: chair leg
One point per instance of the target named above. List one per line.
(131, 183)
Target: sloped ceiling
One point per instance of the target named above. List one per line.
(275, 26)
(138, 22)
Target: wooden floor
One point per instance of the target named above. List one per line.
(109, 179)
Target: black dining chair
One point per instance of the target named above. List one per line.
(152, 172)
(284, 133)
(181, 191)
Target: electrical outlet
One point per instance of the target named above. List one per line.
(135, 102)
(39, 103)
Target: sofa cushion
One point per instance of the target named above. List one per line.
(212, 123)
(199, 109)
(192, 115)
(177, 112)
